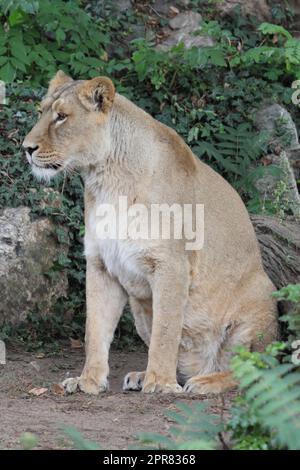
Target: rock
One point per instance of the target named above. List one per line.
(258, 8)
(295, 7)
(28, 250)
(181, 29)
(184, 3)
(283, 135)
(121, 5)
(278, 122)
(188, 20)
(161, 7)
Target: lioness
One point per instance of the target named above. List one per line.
(191, 307)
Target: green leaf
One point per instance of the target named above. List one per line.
(269, 28)
(60, 36)
(217, 57)
(3, 60)
(7, 72)
(18, 50)
(17, 17)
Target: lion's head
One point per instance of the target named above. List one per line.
(72, 131)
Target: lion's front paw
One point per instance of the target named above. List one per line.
(82, 384)
(152, 384)
(92, 387)
(70, 385)
(133, 381)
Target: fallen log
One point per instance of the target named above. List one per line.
(279, 243)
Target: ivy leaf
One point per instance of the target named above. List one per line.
(7, 72)
(18, 50)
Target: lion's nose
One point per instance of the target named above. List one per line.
(30, 150)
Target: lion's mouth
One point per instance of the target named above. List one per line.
(48, 166)
(46, 171)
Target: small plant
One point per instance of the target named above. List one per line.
(28, 441)
(269, 412)
(187, 433)
(78, 441)
(291, 294)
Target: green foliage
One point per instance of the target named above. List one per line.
(291, 293)
(281, 50)
(37, 37)
(236, 151)
(186, 434)
(271, 404)
(272, 29)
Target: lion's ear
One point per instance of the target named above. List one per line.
(57, 81)
(97, 94)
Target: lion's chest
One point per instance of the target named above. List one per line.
(122, 259)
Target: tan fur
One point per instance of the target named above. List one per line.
(190, 307)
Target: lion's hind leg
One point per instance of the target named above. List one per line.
(217, 382)
(142, 313)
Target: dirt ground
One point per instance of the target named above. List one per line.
(112, 419)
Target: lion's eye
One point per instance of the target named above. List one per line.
(61, 117)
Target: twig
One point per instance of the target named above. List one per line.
(156, 12)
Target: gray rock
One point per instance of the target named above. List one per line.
(189, 21)
(295, 7)
(282, 132)
(278, 122)
(259, 8)
(184, 3)
(182, 28)
(120, 5)
(188, 40)
(28, 250)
